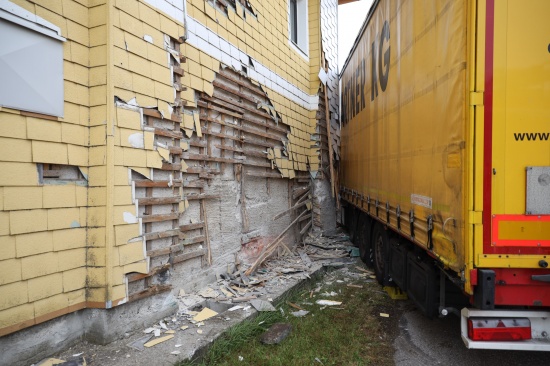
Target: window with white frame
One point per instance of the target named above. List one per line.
(31, 62)
(298, 25)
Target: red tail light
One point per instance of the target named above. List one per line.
(494, 329)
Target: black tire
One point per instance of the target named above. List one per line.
(364, 240)
(380, 248)
(351, 223)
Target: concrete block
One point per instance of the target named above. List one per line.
(74, 279)
(132, 252)
(64, 218)
(59, 196)
(69, 239)
(10, 271)
(49, 152)
(32, 244)
(45, 286)
(28, 221)
(70, 259)
(15, 149)
(22, 198)
(7, 247)
(39, 265)
(43, 130)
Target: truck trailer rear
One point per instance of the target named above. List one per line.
(445, 160)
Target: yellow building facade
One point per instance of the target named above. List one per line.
(104, 186)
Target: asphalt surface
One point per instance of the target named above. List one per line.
(425, 342)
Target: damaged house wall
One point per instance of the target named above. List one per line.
(188, 128)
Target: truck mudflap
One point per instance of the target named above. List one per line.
(528, 330)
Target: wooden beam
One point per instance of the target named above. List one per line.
(158, 200)
(158, 218)
(153, 290)
(190, 255)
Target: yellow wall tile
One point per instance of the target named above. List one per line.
(45, 286)
(119, 292)
(121, 176)
(123, 233)
(96, 216)
(78, 155)
(15, 149)
(128, 119)
(28, 221)
(59, 196)
(49, 152)
(97, 16)
(44, 130)
(76, 297)
(123, 195)
(97, 156)
(131, 24)
(69, 259)
(13, 125)
(49, 305)
(34, 243)
(69, 239)
(154, 160)
(96, 237)
(12, 295)
(139, 267)
(96, 277)
(74, 134)
(39, 265)
(16, 315)
(98, 135)
(10, 271)
(97, 176)
(22, 198)
(95, 257)
(132, 252)
(7, 247)
(64, 218)
(135, 157)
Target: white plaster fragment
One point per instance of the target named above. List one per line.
(148, 38)
(129, 218)
(136, 140)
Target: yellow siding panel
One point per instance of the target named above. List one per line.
(39, 129)
(96, 277)
(59, 196)
(69, 259)
(7, 247)
(49, 305)
(35, 243)
(139, 267)
(128, 119)
(74, 134)
(45, 286)
(28, 221)
(130, 253)
(96, 237)
(98, 135)
(13, 125)
(15, 149)
(10, 271)
(123, 233)
(96, 216)
(12, 295)
(64, 218)
(49, 152)
(78, 155)
(16, 315)
(22, 198)
(69, 239)
(135, 157)
(123, 195)
(39, 265)
(74, 279)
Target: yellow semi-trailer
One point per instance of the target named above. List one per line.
(445, 160)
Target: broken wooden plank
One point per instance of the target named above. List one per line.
(160, 217)
(158, 200)
(190, 255)
(306, 228)
(188, 227)
(161, 234)
(202, 196)
(293, 208)
(264, 175)
(200, 157)
(153, 290)
(132, 277)
(168, 133)
(145, 183)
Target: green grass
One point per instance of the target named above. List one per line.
(354, 335)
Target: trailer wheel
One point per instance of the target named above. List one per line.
(380, 245)
(364, 240)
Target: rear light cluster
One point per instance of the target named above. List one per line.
(495, 329)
